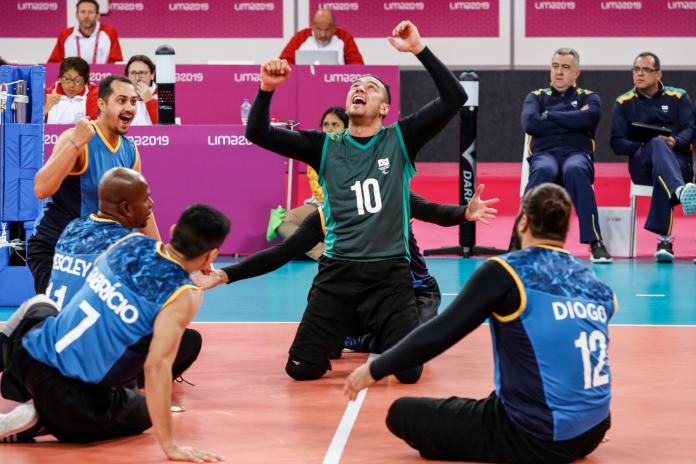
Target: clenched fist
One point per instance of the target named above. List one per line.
(83, 133)
(273, 73)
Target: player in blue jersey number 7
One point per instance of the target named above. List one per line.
(548, 315)
(140, 299)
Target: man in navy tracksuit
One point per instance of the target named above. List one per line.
(665, 161)
(561, 120)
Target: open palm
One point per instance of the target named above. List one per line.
(480, 210)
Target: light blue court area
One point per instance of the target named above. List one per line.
(648, 292)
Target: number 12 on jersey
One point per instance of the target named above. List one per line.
(367, 196)
(595, 341)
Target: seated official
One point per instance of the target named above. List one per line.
(72, 97)
(324, 35)
(562, 119)
(664, 161)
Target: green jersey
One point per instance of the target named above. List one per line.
(366, 196)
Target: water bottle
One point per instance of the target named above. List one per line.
(246, 106)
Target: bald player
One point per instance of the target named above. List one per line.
(124, 205)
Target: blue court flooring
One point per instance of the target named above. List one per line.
(649, 293)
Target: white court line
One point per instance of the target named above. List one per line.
(657, 295)
(450, 294)
(340, 438)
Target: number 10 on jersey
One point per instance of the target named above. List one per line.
(367, 196)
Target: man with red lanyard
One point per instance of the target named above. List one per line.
(96, 43)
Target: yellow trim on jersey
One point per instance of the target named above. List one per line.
(616, 304)
(159, 248)
(94, 217)
(106, 142)
(551, 247)
(84, 168)
(177, 292)
(323, 222)
(136, 164)
(520, 287)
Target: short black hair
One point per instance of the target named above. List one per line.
(105, 89)
(76, 63)
(652, 55)
(93, 2)
(200, 229)
(339, 112)
(143, 58)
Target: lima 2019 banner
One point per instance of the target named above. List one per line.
(610, 18)
(434, 18)
(153, 18)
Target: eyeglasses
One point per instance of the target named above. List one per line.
(638, 70)
(138, 73)
(70, 80)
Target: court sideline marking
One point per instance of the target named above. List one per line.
(340, 438)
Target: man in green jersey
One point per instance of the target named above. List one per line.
(365, 171)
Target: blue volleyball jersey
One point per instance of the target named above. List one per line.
(77, 195)
(102, 335)
(551, 355)
(78, 246)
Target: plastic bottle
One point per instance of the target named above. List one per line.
(246, 106)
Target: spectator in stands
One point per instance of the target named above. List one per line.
(324, 35)
(562, 119)
(141, 71)
(72, 97)
(663, 161)
(96, 43)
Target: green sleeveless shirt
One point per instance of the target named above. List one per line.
(366, 196)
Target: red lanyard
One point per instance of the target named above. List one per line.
(96, 47)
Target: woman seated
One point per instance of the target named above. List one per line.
(141, 71)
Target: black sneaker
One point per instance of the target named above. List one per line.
(599, 253)
(665, 253)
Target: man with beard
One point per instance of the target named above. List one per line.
(71, 176)
(365, 173)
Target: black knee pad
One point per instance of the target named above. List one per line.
(303, 370)
(411, 375)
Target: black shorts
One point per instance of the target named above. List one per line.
(40, 261)
(462, 429)
(347, 296)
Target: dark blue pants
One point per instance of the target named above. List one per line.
(573, 170)
(656, 164)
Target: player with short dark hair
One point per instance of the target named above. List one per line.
(127, 319)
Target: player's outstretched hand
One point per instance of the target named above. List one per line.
(210, 280)
(358, 379)
(273, 73)
(406, 38)
(189, 454)
(480, 210)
